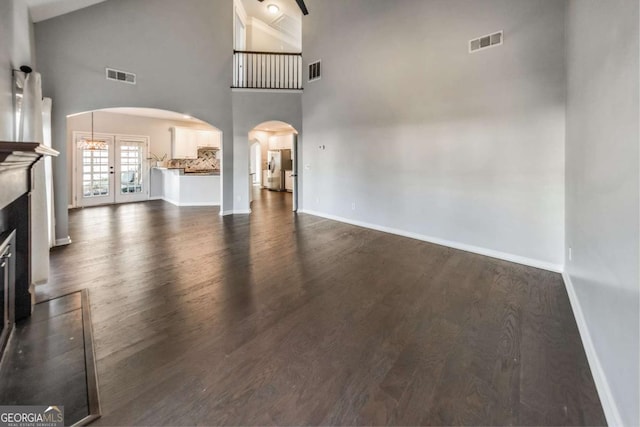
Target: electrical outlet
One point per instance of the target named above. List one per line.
(570, 254)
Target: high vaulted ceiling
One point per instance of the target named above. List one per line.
(46, 9)
(259, 9)
(287, 20)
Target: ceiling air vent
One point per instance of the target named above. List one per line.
(486, 42)
(121, 76)
(314, 71)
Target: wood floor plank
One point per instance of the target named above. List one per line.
(288, 319)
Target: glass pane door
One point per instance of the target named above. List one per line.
(95, 173)
(132, 171)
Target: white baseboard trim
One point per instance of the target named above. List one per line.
(155, 198)
(602, 385)
(238, 212)
(211, 205)
(456, 245)
(175, 203)
(64, 241)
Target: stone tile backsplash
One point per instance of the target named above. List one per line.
(206, 161)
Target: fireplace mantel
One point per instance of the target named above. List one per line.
(17, 160)
(18, 154)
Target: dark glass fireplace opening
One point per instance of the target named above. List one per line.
(7, 286)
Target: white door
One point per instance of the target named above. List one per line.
(132, 183)
(256, 157)
(116, 174)
(94, 171)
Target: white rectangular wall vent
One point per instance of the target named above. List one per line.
(314, 71)
(121, 76)
(485, 42)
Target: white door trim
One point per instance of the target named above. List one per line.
(144, 169)
(77, 135)
(115, 136)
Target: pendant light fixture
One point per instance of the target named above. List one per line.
(92, 144)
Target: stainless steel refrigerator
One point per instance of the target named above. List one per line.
(278, 161)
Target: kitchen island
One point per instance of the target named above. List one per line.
(190, 189)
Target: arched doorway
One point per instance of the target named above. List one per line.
(277, 145)
(120, 155)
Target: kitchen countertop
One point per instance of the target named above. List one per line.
(184, 172)
(200, 173)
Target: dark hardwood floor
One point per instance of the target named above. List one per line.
(284, 319)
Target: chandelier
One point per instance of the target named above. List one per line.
(92, 144)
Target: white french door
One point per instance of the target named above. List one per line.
(132, 174)
(116, 174)
(94, 171)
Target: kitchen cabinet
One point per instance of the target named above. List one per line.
(186, 141)
(184, 144)
(183, 189)
(288, 181)
(206, 139)
(281, 142)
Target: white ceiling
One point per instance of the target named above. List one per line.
(288, 19)
(153, 113)
(270, 126)
(259, 9)
(46, 9)
(275, 126)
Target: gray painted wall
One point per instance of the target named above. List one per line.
(602, 203)
(6, 64)
(181, 52)
(250, 110)
(419, 134)
(16, 49)
(426, 138)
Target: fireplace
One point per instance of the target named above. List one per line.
(16, 182)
